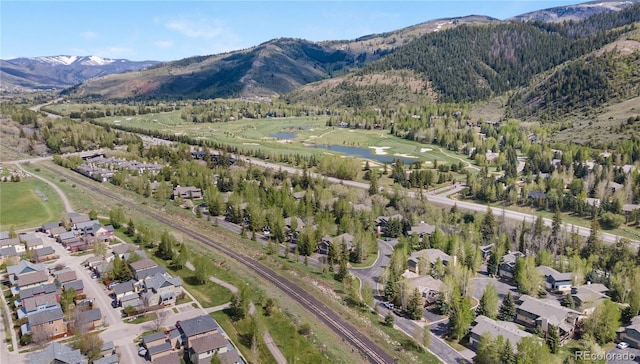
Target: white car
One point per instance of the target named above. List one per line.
(622, 345)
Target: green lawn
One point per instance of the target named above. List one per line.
(21, 208)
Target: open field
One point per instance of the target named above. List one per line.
(297, 135)
(21, 208)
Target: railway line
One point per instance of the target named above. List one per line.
(349, 333)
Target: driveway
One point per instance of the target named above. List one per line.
(373, 273)
(482, 280)
(623, 356)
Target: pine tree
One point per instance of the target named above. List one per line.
(414, 306)
(489, 227)
(373, 182)
(488, 305)
(507, 310)
(553, 339)
(131, 229)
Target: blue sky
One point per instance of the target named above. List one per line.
(170, 30)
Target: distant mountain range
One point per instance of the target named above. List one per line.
(58, 72)
(406, 65)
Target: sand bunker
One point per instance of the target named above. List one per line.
(250, 143)
(422, 150)
(380, 150)
(405, 155)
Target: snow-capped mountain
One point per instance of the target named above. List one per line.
(575, 12)
(61, 71)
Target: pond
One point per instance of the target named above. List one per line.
(282, 135)
(365, 153)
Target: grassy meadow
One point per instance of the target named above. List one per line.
(21, 208)
(253, 134)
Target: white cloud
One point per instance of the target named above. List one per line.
(89, 35)
(163, 44)
(198, 27)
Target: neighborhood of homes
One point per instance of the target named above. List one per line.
(39, 279)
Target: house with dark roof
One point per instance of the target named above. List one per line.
(38, 290)
(154, 352)
(508, 264)
(32, 279)
(46, 227)
(555, 281)
(107, 348)
(47, 323)
(33, 244)
(9, 255)
(23, 267)
(171, 358)
(204, 347)
(109, 359)
(58, 354)
(231, 356)
(44, 254)
(123, 289)
(196, 327)
(89, 319)
(153, 339)
(78, 285)
(631, 334)
(536, 195)
(536, 313)
(4, 235)
(144, 268)
(486, 326)
(38, 303)
(428, 287)
(132, 300)
(15, 243)
(24, 237)
(56, 231)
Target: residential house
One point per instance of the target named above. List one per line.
(46, 227)
(133, 300)
(15, 243)
(191, 193)
(38, 303)
(629, 208)
(121, 290)
(145, 268)
(293, 233)
(9, 256)
(203, 348)
(56, 231)
(422, 230)
(65, 276)
(122, 249)
(109, 359)
(32, 279)
(486, 251)
(631, 334)
(78, 285)
(508, 264)
(536, 313)
(38, 290)
(24, 237)
(432, 255)
(196, 327)
(23, 267)
(327, 241)
(383, 221)
(77, 218)
(33, 244)
(59, 354)
(555, 281)
(161, 289)
(157, 351)
(153, 339)
(171, 358)
(486, 326)
(68, 237)
(589, 296)
(89, 319)
(44, 254)
(107, 349)
(4, 235)
(428, 287)
(47, 323)
(231, 356)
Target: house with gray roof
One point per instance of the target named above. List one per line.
(28, 280)
(15, 243)
(508, 264)
(107, 348)
(536, 313)
(9, 255)
(109, 359)
(132, 300)
(556, 281)
(44, 254)
(145, 268)
(486, 326)
(46, 227)
(171, 358)
(4, 235)
(157, 351)
(56, 231)
(123, 289)
(38, 290)
(89, 319)
(231, 356)
(59, 354)
(206, 346)
(422, 229)
(49, 323)
(13, 271)
(589, 296)
(631, 334)
(431, 255)
(188, 192)
(153, 339)
(323, 247)
(196, 327)
(33, 244)
(38, 303)
(78, 285)
(24, 237)
(162, 289)
(67, 275)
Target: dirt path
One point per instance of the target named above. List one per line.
(63, 197)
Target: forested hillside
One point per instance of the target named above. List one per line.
(470, 63)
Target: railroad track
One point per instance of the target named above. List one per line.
(365, 345)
